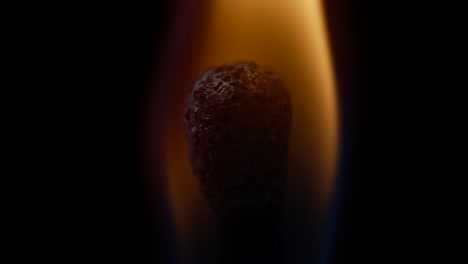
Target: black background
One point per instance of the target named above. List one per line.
(401, 77)
(405, 148)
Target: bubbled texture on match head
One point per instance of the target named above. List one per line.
(237, 123)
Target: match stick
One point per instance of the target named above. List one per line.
(237, 122)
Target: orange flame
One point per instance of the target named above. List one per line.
(290, 37)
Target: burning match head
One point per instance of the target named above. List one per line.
(237, 123)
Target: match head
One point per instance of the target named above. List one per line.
(237, 123)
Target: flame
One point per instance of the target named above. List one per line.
(290, 37)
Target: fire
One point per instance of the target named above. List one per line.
(290, 37)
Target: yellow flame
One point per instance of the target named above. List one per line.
(289, 37)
